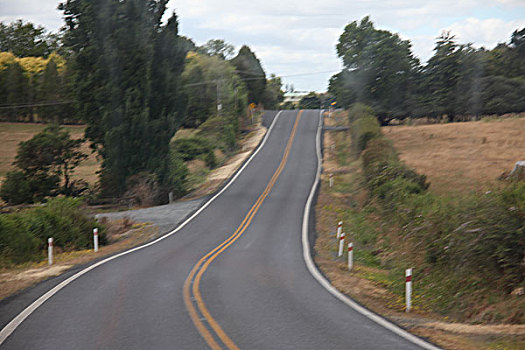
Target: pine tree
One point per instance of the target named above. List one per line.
(17, 90)
(127, 67)
(250, 70)
(49, 91)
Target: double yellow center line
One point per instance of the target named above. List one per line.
(192, 283)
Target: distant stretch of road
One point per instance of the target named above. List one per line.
(233, 277)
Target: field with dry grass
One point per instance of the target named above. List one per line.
(12, 134)
(461, 157)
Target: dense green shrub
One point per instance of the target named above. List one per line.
(359, 110)
(221, 131)
(195, 148)
(381, 173)
(23, 235)
(378, 150)
(229, 137)
(16, 189)
(177, 175)
(478, 235)
(20, 188)
(41, 163)
(490, 237)
(17, 245)
(363, 128)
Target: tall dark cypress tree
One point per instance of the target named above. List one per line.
(166, 103)
(442, 75)
(49, 90)
(127, 83)
(17, 91)
(250, 70)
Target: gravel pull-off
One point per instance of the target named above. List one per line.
(166, 217)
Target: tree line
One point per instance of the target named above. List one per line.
(134, 81)
(458, 81)
(35, 89)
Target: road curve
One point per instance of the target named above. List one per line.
(257, 289)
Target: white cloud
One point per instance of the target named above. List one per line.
(297, 36)
(41, 12)
(485, 32)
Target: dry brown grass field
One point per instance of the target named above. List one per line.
(461, 157)
(13, 133)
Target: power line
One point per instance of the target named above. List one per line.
(303, 74)
(41, 104)
(250, 73)
(215, 81)
(259, 77)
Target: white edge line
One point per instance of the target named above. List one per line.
(15, 322)
(312, 268)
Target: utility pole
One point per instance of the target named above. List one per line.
(236, 88)
(219, 105)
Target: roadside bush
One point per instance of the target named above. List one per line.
(359, 110)
(392, 192)
(195, 148)
(176, 180)
(381, 173)
(221, 131)
(378, 151)
(229, 137)
(20, 188)
(362, 131)
(16, 189)
(63, 219)
(23, 235)
(490, 238)
(17, 245)
(479, 235)
(147, 189)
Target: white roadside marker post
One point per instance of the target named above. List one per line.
(341, 244)
(350, 256)
(331, 180)
(339, 229)
(50, 251)
(408, 289)
(95, 239)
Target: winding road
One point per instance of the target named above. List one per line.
(232, 277)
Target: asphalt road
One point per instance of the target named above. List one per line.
(255, 293)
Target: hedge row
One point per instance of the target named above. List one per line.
(480, 236)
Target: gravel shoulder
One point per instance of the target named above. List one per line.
(165, 217)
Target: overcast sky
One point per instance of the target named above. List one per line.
(293, 37)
